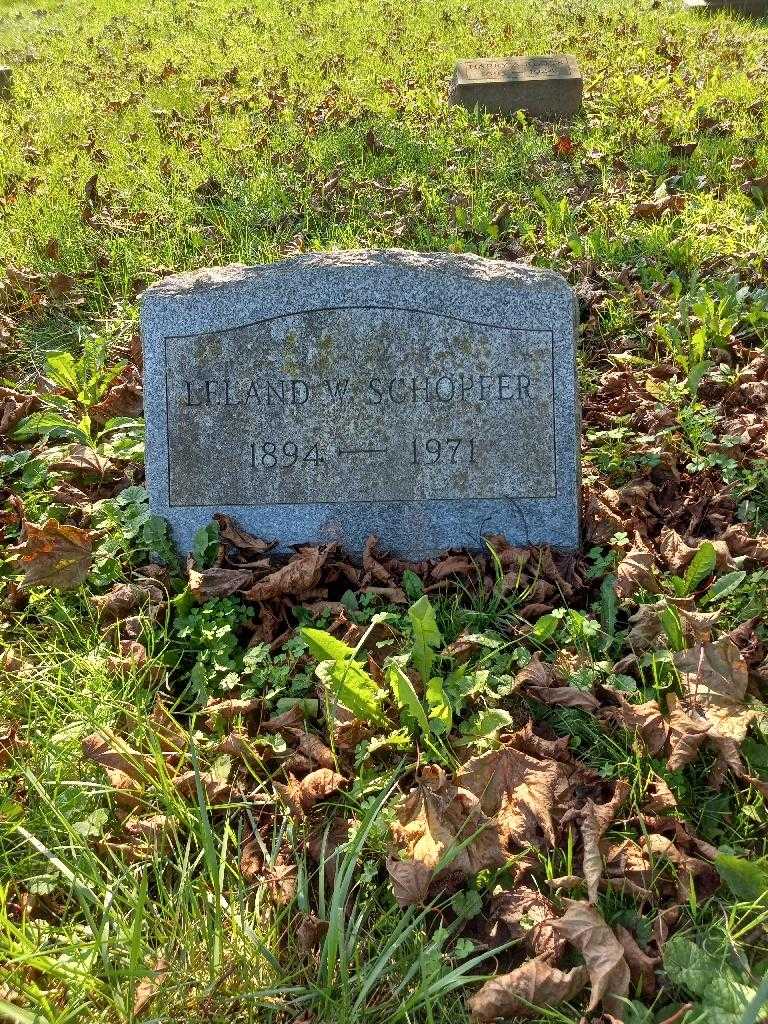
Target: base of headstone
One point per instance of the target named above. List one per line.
(547, 87)
(750, 8)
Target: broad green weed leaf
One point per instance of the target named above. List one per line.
(609, 605)
(353, 687)
(62, 369)
(673, 627)
(697, 373)
(747, 879)
(702, 565)
(426, 636)
(724, 587)
(488, 723)
(546, 626)
(689, 966)
(205, 544)
(440, 715)
(45, 422)
(412, 585)
(405, 695)
(323, 646)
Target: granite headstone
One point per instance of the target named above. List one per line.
(547, 87)
(752, 8)
(428, 398)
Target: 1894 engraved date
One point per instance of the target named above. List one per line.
(429, 451)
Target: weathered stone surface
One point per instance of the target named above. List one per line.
(428, 398)
(753, 8)
(548, 87)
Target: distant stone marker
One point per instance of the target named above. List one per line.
(548, 87)
(427, 398)
(753, 8)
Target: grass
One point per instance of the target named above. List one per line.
(143, 139)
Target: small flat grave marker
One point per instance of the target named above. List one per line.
(426, 398)
(547, 87)
(751, 8)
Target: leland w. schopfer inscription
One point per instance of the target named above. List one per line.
(336, 395)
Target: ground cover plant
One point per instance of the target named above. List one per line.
(511, 783)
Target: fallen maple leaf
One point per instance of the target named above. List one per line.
(583, 926)
(245, 543)
(636, 570)
(55, 555)
(641, 966)
(564, 697)
(301, 796)
(645, 720)
(325, 844)
(517, 790)
(686, 734)
(115, 755)
(206, 584)
(309, 933)
(122, 398)
(14, 406)
(525, 914)
(410, 881)
(148, 988)
(563, 146)
(714, 677)
(215, 790)
(295, 578)
(595, 820)
(125, 598)
(537, 984)
(441, 824)
(654, 209)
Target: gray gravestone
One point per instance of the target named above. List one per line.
(425, 397)
(754, 8)
(547, 87)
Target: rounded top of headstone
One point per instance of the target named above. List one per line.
(468, 266)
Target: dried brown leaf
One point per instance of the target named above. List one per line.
(14, 406)
(517, 790)
(583, 926)
(537, 984)
(641, 966)
(294, 579)
(148, 987)
(325, 844)
(206, 584)
(410, 881)
(437, 817)
(114, 754)
(55, 555)
(301, 796)
(564, 697)
(309, 934)
(686, 734)
(595, 821)
(122, 398)
(525, 914)
(715, 677)
(645, 720)
(636, 571)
